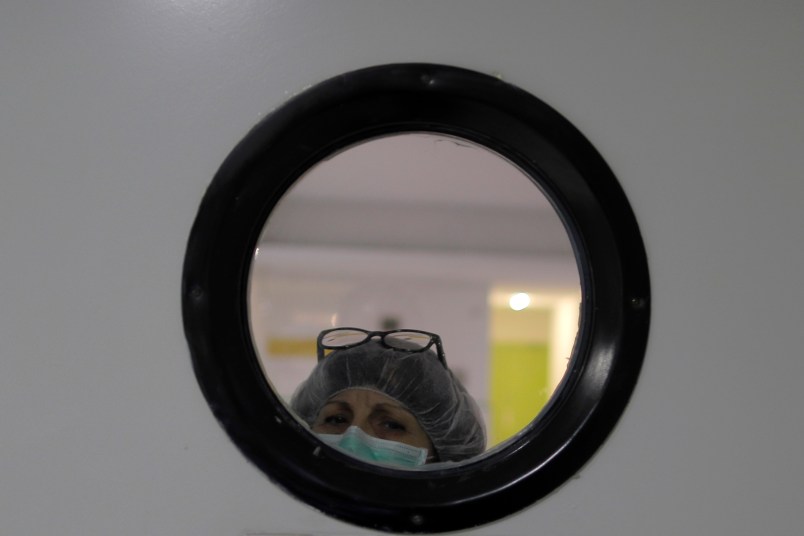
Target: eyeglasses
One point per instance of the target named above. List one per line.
(404, 340)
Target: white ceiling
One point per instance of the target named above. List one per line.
(419, 191)
(422, 168)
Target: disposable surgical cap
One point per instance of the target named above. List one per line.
(417, 380)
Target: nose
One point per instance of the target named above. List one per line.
(364, 424)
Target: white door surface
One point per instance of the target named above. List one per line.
(115, 116)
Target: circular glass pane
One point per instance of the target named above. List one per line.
(428, 232)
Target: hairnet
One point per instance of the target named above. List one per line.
(417, 380)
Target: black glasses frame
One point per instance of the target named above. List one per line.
(434, 340)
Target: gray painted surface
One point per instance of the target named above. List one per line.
(115, 115)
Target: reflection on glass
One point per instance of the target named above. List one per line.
(423, 231)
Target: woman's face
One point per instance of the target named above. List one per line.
(374, 413)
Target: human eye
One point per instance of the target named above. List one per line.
(336, 419)
(393, 425)
(332, 420)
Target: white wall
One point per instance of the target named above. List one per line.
(114, 116)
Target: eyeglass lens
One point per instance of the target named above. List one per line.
(343, 337)
(407, 340)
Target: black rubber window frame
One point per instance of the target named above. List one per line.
(393, 99)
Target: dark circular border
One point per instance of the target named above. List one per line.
(611, 257)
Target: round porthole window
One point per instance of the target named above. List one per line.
(416, 298)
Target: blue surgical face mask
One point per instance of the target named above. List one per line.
(373, 449)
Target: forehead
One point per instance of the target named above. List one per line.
(364, 397)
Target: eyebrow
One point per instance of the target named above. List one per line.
(386, 406)
(339, 403)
